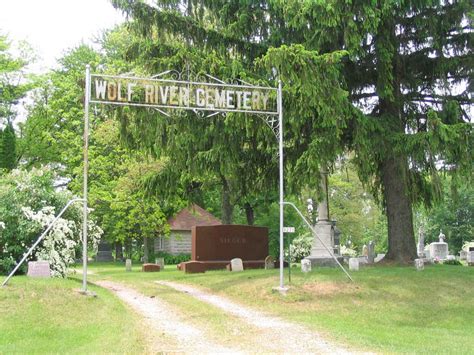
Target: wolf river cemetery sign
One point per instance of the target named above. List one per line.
(172, 90)
(178, 94)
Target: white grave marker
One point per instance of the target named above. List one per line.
(354, 264)
(419, 264)
(128, 264)
(39, 269)
(305, 265)
(236, 265)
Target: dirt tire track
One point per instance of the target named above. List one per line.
(278, 335)
(162, 319)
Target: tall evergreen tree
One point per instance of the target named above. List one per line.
(413, 77)
(12, 88)
(402, 104)
(239, 151)
(8, 156)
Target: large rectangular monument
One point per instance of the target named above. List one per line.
(215, 246)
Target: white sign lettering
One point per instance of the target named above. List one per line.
(179, 94)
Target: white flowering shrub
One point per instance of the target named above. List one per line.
(60, 244)
(300, 248)
(29, 205)
(345, 251)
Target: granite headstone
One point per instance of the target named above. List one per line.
(305, 265)
(371, 252)
(215, 246)
(161, 262)
(470, 258)
(354, 264)
(419, 264)
(269, 262)
(236, 265)
(39, 269)
(128, 265)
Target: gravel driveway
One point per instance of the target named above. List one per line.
(271, 334)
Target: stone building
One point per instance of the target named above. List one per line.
(179, 240)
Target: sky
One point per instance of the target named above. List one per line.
(52, 27)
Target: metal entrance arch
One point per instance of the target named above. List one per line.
(208, 98)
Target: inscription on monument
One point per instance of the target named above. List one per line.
(232, 240)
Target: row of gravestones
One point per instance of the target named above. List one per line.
(236, 264)
(368, 257)
(42, 268)
(439, 251)
(147, 267)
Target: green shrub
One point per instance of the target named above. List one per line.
(452, 262)
(173, 259)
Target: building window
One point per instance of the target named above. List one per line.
(159, 243)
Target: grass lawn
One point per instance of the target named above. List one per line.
(49, 316)
(387, 309)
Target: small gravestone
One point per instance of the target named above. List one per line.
(305, 265)
(354, 264)
(150, 267)
(427, 253)
(450, 257)
(39, 269)
(419, 264)
(269, 262)
(371, 252)
(365, 250)
(470, 258)
(462, 255)
(192, 267)
(379, 257)
(104, 252)
(236, 265)
(438, 250)
(128, 264)
(161, 262)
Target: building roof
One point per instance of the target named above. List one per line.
(192, 216)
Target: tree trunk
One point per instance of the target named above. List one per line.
(393, 167)
(118, 251)
(146, 250)
(401, 238)
(227, 207)
(128, 248)
(249, 214)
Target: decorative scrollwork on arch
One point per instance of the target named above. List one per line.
(273, 123)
